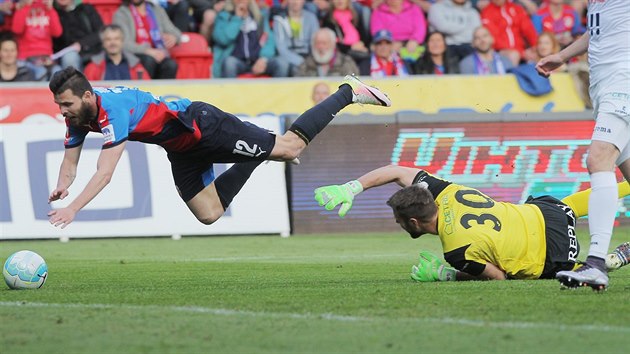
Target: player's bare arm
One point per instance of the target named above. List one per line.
(331, 196)
(67, 173)
(403, 176)
(549, 63)
(431, 268)
(106, 165)
(492, 272)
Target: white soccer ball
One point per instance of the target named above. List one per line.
(25, 270)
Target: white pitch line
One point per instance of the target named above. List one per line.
(328, 316)
(293, 258)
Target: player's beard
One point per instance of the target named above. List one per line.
(84, 117)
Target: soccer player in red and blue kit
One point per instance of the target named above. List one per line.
(194, 134)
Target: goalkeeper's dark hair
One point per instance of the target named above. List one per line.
(69, 78)
(413, 202)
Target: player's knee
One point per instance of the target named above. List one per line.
(209, 218)
(601, 157)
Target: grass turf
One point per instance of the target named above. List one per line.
(319, 294)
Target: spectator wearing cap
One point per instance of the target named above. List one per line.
(457, 20)
(385, 61)
(484, 60)
(325, 59)
(437, 59)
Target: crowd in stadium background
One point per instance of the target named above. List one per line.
(166, 39)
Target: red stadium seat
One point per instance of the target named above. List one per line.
(105, 8)
(193, 58)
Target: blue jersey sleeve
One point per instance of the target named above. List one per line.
(74, 136)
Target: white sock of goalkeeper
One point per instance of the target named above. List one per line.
(602, 208)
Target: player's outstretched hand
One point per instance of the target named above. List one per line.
(430, 268)
(548, 64)
(331, 196)
(57, 194)
(61, 217)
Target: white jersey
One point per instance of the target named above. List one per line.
(609, 45)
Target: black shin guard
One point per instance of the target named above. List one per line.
(230, 182)
(313, 121)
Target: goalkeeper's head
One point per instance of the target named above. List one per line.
(415, 210)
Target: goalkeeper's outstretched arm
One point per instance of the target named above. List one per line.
(431, 268)
(332, 196)
(403, 176)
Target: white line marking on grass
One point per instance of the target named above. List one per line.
(293, 258)
(328, 316)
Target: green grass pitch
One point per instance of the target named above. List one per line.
(315, 294)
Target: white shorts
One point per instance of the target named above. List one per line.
(612, 121)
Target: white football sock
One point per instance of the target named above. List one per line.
(602, 207)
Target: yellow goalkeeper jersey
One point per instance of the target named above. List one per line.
(475, 229)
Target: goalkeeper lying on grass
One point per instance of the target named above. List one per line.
(481, 238)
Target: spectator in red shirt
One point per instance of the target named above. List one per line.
(36, 23)
(511, 27)
(560, 19)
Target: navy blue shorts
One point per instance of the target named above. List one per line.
(224, 139)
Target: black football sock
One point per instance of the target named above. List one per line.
(313, 121)
(230, 182)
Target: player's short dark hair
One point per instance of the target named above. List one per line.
(69, 78)
(413, 202)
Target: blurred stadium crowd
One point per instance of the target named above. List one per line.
(167, 39)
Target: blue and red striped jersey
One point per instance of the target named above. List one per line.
(125, 113)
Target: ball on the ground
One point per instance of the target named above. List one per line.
(25, 270)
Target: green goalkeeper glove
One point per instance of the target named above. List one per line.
(431, 268)
(331, 196)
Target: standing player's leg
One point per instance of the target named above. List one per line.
(608, 147)
(312, 122)
(621, 255)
